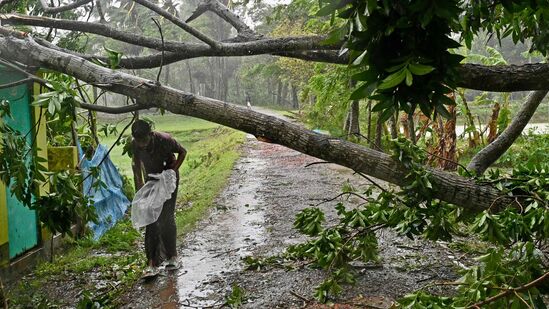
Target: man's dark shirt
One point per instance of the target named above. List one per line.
(159, 154)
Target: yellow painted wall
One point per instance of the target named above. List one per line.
(3, 215)
(41, 146)
(41, 137)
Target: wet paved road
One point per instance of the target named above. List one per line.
(216, 247)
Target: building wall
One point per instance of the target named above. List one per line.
(40, 143)
(4, 246)
(41, 146)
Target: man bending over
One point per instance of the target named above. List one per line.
(155, 152)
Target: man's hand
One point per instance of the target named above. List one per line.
(177, 163)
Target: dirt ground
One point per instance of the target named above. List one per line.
(254, 215)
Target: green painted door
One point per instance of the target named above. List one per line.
(22, 222)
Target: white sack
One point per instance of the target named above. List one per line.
(149, 200)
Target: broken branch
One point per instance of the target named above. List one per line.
(178, 22)
(52, 10)
(510, 291)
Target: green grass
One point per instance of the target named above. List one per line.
(205, 173)
(169, 122)
(528, 148)
(212, 151)
(117, 258)
(187, 130)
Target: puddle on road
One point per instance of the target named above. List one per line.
(234, 231)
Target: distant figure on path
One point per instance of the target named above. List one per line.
(248, 101)
(155, 151)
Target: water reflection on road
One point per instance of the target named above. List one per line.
(234, 229)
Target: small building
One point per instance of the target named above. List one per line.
(22, 239)
(19, 226)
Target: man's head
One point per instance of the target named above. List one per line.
(141, 132)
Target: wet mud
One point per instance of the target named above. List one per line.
(254, 216)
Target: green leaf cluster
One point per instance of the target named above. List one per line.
(499, 270)
(402, 51)
(520, 19)
(64, 203)
(309, 221)
(237, 296)
(514, 234)
(262, 263)
(405, 49)
(20, 169)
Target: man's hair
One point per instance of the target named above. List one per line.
(140, 129)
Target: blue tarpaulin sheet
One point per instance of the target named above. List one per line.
(109, 200)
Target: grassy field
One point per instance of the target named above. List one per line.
(186, 130)
(212, 152)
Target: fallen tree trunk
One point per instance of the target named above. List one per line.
(449, 187)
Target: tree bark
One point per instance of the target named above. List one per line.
(295, 100)
(347, 122)
(99, 7)
(191, 82)
(278, 101)
(379, 133)
(393, 121)
(493, 123)
(484, 158)
(449, 154)
(474, 138)
(167, 75)
(411, 127)
(504, 78)
(284, 101)
(224, 13)
(448, 187)
(354, 124)
(369, 127)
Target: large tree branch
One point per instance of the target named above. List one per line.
(186, 50)
(489, 154)
(114, 110)
(154, 60)
(178, 22)
(450, 187)
(51, 10)
(100, 12)
(227, 15)
(100, 29)
(504, 78)
(507, 292)
(16, 83)
(518, 75)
